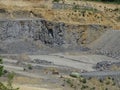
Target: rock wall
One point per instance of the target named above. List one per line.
(49, 33)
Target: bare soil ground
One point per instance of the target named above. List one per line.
(46, 75)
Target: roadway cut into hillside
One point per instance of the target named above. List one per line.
(108, 44)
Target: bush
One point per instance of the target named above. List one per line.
(10, 79)
(114, 84)
(93, 88)
(1, 67)
(83, 80)
(106, 88)
(84, 87)
(70, 82)
(112, 1)
(30, 67)
(108, 82)
(9, 83)
(101, 81)
(118, 18)
(56, 0)
(74, 74)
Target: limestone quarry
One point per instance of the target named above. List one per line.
(44, 42)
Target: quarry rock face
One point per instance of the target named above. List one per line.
(49, 33)
(32, 29)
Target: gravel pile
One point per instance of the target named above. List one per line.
(108, 44)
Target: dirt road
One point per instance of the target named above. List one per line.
(79, 62)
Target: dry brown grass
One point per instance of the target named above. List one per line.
(42, 8)
(26, 80)
(92, 84)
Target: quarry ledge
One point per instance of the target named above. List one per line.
(42, 19)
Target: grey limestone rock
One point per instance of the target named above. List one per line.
(53, 34)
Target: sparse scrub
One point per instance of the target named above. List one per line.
(78, 8)
(113, 83)
(106, 88)
(107, 1)
(107, 82)
(56, 0)
(29, 66)
(83, 80)
(70, 82)
(93, 88)
(91, 84)
(84, 87)
(76, 75)
(9, 81)
(118, 19)
(1, 67)
(109, 77)
(101, 81)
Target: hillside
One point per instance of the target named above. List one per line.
(96, 13)
(60, 44)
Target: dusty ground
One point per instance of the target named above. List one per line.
(41, 76)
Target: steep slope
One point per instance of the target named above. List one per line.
(108, 44)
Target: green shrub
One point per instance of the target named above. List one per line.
(108, 82)
(9, 83)
(30, 67)
(70, 82)
(83, 80)
(114, 84)
(74, 74)
(118, 18)
(56, 0)
(111, 1)
(93, 88)
(100, 80)
(1, 67)
(84, 87)
(106, 88)
(10, 79)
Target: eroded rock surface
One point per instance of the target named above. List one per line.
(53, 34)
